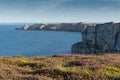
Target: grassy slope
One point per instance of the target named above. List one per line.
(75, 67)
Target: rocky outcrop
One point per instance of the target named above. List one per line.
(25, 27)
(17, 28)
(76, 27)
(102, 38)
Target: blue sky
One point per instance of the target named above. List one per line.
(49, 11)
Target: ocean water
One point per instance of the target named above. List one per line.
(35, 43)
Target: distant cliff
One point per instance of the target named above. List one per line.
(102, 38)
(96, 38)
(75, 27)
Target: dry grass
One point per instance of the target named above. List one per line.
(61, 67)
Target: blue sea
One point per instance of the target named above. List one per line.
(34, 42)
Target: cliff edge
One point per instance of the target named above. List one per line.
(102, 38)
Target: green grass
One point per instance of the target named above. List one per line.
(61, 67)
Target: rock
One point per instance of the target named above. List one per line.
(42, 26)
(102, 38)
(75, 27)
(17, 28)
(25, 27)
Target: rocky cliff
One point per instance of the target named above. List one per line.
(102, 38)
(76, 27)
(25, 27)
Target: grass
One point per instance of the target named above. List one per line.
(61, 67)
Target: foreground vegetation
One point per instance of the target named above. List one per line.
(61, 67)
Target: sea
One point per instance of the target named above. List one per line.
(35, 42)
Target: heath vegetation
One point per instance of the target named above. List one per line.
(61, 67)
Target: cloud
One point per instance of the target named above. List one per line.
(105, 0)
(57, 10)
(34, 5)
(105, 8)
(51, 4)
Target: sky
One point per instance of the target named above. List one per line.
(52, 11)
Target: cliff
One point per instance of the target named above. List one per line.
(25, 27)
(75, 27)
(102, 38)
(96, 38)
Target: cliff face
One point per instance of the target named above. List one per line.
(102, 38)
(76, 27)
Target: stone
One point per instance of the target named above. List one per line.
(100, 38)
(25, 27)
(17, 28)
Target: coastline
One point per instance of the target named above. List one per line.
(72, 27)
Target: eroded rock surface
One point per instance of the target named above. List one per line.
(25, 27)
(102, 38)
(75, 27)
